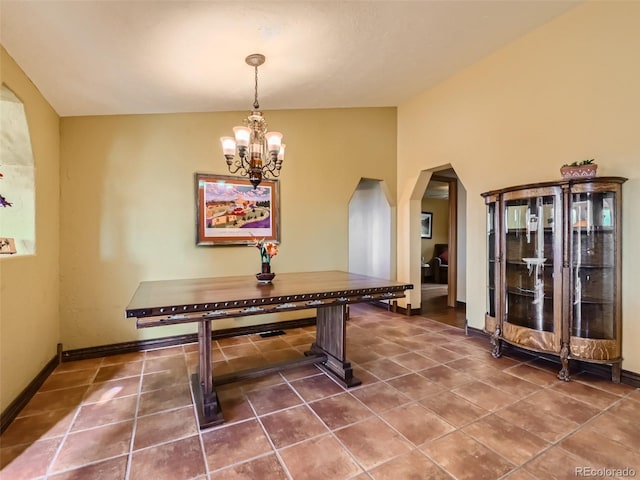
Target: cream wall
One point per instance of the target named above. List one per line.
(565, 92)
(29, 288)
(127, 204)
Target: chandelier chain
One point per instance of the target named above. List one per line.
(256, 105)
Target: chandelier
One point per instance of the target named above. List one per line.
(260, 153)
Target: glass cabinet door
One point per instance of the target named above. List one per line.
(491, 255)
(593, 216)
(532, 254)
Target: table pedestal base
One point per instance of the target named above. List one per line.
(207, 406)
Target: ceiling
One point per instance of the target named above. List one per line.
(128, 57)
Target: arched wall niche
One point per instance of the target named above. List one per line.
(370, 230)
(17, 183)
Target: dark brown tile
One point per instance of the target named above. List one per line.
(164, 378)
(532, 374)
(625, 431)
(388, 349)
(104, 391)
(384, 368)
(120, 370)
(439, 354)
(267, 467)
(291, 426)
(417, 424)
(242, 350)
(70, 379)
(261, 382)
(484, 395)
(112, 469)
(300, 372)
(628, 409)
(43, 402)
(415, 361)
(123, 358)
(316, 387)
(271, 344)
(111, 411)
(164, 427)
(157, 364)
(446, 376)
(27, 461)
(465, 458)
(37, 427)
(372, 442)
(514, 386)
(235, 443)
(454, 409)
(521, 474)
(635, 395)
(513, 443)
(473, 367)
(380, 397)
(271, 399)
(340, 410)
(556, 464)
(89, 363)
(414, 386)
(159, 462)
(235, 406)
(93, 445)
(529, 416)
(283, 355)
(594, 445)
(362, 354)
(164, 352)
(603, 383)
(319, 458)
(562, 406)
(586, 393)
(413, 465)
(165, 399)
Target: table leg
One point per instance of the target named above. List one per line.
(331, 340)
(206, 398)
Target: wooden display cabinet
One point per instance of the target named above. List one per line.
(554, 277)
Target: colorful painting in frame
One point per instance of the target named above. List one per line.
(231, 212)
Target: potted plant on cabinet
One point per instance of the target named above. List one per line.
(583, 169)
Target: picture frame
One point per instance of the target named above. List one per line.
(426, 225)
(230, 211)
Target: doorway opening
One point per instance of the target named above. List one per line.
(443, 257)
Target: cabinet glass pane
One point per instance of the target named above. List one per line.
(529, 231)
(593, 257)
(491, 255)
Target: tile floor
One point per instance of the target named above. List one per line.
(433, 404)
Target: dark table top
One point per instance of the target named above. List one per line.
(185, 296)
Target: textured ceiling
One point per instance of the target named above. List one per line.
(126, 57)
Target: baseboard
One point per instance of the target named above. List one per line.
(600, 370)
(12, 411)
(141, 345)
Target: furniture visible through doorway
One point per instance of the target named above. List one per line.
(439, 263)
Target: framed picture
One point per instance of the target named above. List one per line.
(426, 221)
(229, 211)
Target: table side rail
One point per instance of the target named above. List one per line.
(243, 311)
